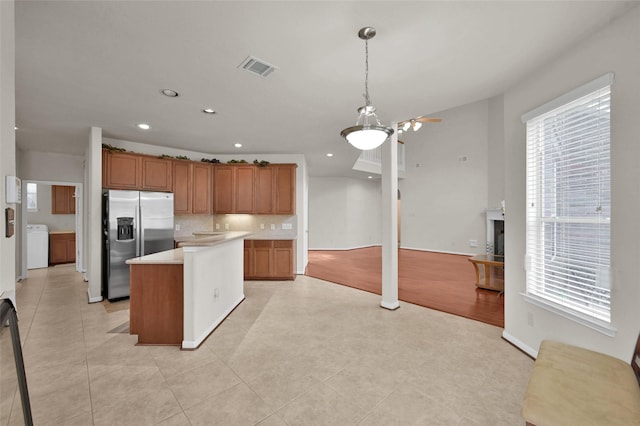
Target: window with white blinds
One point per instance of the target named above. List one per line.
(569, 202)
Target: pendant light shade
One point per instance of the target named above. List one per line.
(365, 135)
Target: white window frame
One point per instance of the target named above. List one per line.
(35, 200)
(572, 290)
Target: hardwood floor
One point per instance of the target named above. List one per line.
(445, 282)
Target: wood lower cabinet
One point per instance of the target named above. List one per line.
(269, 260)
(63, 199)
(62, 247)
(156, 311)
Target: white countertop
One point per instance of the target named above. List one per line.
(176, 256)
(167, 257)
(213, 239)
(200, 235)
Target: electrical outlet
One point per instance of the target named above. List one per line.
(226, 226)
(216, 293)
(473, 243)
(262, 226)
(287, 226)
(217, 226)
(273, 226)
(177, 226)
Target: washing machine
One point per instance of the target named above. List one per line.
(37, 246)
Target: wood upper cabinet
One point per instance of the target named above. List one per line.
(62, 248)
(123, 171)
(192, 187)
(182, 187)
(234, 189)
(245, 189)
(285, 188)
(275, 189)
(63, 199)
(156, 174)
(269, 260)
(265, 194)
(127, 170)
(202, 188)
(223, 192)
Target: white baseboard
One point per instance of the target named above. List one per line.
(439, 251)
(344, 248)
(93, 299)
(519, 344)
(402, 247)
(193, 344)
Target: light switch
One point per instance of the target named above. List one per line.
(273, 226)
(217, 226)
(262, 226)
(226, 226)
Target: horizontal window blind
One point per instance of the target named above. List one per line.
(569, 205)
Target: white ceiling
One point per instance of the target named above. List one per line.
(103, 63)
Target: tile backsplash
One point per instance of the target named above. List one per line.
(263, 225)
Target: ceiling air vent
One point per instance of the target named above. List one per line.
(257, 66)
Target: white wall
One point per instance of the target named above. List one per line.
(93, 214)
(614, 48)
(444, 196)
(51, 167)
(43, 215)
(344, 213)
(495, 155)
(7, 143)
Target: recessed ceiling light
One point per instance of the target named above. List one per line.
(15, 128)
(144, 126)
(237, 145)
(170, 93)
(369, 177)
(209, 111)
(329, 154)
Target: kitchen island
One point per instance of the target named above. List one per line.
(179, 296)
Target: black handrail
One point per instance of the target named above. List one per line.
(8, 314)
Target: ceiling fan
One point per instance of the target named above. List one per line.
(416, 123)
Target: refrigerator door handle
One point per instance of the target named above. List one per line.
(136, 232)
(141, 239)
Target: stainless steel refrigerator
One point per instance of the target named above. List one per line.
(135, 223)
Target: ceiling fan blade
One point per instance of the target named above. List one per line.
(428, 119)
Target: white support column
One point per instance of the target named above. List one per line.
(390, 222)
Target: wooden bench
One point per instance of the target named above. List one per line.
(575, 386)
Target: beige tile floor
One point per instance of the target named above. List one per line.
(301, 353)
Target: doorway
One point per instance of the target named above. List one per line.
(38, 208)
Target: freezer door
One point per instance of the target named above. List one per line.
(156, 222)
(123, 208)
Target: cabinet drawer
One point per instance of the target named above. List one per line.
(283, 244)
(262, 243)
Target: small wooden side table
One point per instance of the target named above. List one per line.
(489, 271)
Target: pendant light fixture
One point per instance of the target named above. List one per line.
(366, 135)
